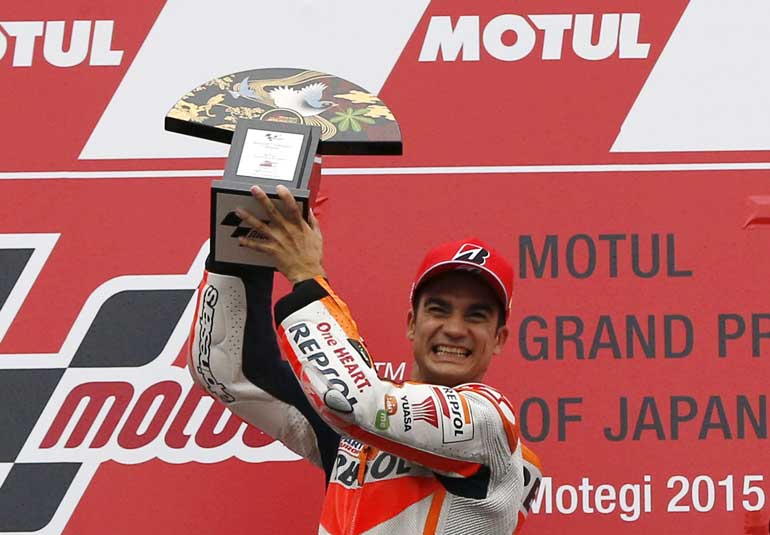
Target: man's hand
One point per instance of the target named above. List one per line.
(296, 246)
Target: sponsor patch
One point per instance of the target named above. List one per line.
(472, 253)
(320, 367)
(391, 405)
(425, 411)
(382, 466)
(456, 419)
(407, 413)
(215, 387)
(382, 420)
(351, 446)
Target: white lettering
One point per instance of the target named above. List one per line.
(618, 34)
(585, 489)
(101, 51)
(25, 33)
(629, 502)
(605, 493)
(630, 47)
(53, 44)
(493, 37)
(582, 42)
(386, 371)
(450, 41)
(553, 27)
(23, 36)
(573, 499)
(630, 499)
(544, 493)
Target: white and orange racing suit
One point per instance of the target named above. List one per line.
(407, 458)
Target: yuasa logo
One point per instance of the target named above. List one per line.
(511, 37)
(90, 40)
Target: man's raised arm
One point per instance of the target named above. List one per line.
(235, 357)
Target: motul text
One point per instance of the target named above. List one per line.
(618, 36)
(88, 39)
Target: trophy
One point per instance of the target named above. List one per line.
(266, 153)
(278, 123)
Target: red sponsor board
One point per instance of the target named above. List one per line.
(636, 219)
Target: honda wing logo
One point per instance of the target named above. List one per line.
(425, 411)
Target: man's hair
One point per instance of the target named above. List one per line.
(418, 295)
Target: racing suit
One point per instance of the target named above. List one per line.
(398, 458)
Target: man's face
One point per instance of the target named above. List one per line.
(454, 331)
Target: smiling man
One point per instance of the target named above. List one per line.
(436, 455)
(459, 308)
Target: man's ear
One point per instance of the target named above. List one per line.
(500, 338)
(410, 324)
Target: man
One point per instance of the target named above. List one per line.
(439, 454)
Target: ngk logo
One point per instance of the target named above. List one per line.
(512, 37)
(65, 44)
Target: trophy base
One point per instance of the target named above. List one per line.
(227, 227)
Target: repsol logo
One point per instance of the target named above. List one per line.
(455, 413)
(64, 44)
(513, 37)
(310, 349)
(457, 423)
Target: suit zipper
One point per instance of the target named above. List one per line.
(363, 458)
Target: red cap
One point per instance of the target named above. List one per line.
(472, 255)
